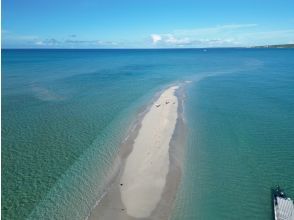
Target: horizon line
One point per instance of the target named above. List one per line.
(138, 48)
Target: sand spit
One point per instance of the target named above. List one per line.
(143, 188)
(147, 166)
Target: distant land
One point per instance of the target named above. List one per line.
(276, 46)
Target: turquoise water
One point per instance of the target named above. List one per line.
(64, 113)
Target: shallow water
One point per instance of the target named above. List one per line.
(65, 112)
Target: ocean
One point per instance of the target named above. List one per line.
(65, 113)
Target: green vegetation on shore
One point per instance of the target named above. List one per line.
(277, 46)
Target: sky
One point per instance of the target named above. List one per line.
(146, 23)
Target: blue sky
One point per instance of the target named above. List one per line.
(145, 23)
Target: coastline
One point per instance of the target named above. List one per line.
(116, 202)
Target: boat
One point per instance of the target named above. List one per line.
(283, 205)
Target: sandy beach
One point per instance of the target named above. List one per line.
(147, 166)
(142, 185)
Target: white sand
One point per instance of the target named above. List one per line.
(146, 168)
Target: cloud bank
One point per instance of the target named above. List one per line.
(217, 36)
(12, 40)
(229, 35)
(169, 40)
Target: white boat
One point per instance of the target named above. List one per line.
(283, 205)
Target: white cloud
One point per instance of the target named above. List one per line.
(49, 42)
(74, 43)
(170, 40)
(155, 38)
(223, 36)
(39, 43)
(15, 40)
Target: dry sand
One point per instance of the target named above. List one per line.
(146, 184)
(147, 166)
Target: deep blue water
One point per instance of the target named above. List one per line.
(65, 112)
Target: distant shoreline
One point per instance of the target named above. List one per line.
(276, 46)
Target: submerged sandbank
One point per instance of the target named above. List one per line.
(145, 180)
